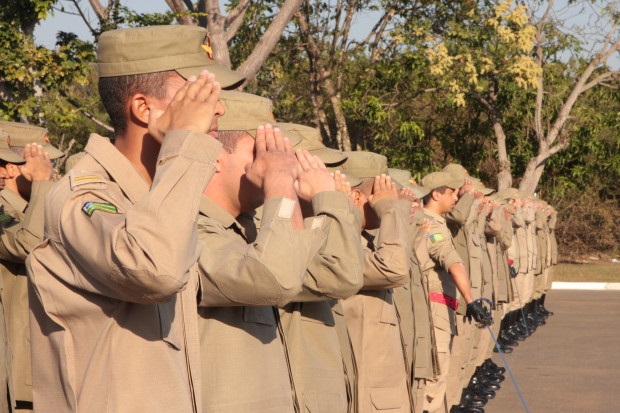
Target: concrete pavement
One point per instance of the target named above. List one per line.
(571, 364)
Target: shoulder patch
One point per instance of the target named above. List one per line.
(83, 179)
(90, 207)
(436, 237)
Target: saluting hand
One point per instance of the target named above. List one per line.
(275, 165)
(38, 166)
(383, 188)
(313, 176)
(342, 185)
(192, 108)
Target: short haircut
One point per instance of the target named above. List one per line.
(115, 92)
(230, 138)
(366, 186)
(429, 196)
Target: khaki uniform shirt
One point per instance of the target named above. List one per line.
(414, 310)
(542, 232)
(308, 325)
(553, 221)
(371, 318)
(243, 361)
(113, 288)
(443, 254)
(532, 248)
(21, 232)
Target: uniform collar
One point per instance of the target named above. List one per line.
(13, 201)
(210, 209)
(120, 169)
(434, 215)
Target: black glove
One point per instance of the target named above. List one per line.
(513, 271)
(479, 313)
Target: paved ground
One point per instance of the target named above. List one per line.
(572, 364)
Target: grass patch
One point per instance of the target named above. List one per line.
(587, 272)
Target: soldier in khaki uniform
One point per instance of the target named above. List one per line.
(22, 200)
(371, 319)
(444, 278)
(411, 300)
(113, 288)
(334, 272)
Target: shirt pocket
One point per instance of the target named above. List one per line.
(259, 315)
(317, 312)
(388, 311)
(387, 400)
(171, 330)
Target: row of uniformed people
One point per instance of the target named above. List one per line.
(341, 294)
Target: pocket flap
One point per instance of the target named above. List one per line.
(317, 312)
(386, 398)
(170, 330)
(259, 315)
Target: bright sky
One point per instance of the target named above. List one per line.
(45, 33)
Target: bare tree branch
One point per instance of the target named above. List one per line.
(599, 80)
(86, 113)
(233, 22)
(92, 31)
(269, 39)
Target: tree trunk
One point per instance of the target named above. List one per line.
(504, 176)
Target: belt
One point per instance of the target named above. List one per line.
(440, 298)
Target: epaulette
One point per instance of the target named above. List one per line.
(85, 180)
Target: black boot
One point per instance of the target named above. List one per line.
(542, 305)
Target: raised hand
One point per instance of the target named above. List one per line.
(192, 108)
(38, 166)
(467, 188)
(275, 166)
(383, 188)
(313, 177)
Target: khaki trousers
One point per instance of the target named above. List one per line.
(518, 285)
(418, 392)
(435, 394)
(459, 356)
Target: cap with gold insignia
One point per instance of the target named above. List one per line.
(439, 179)
(6, 154)
(139, 50)
(246, 112)
(21, 134)
(403, 178)
(310, 142)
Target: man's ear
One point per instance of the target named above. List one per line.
(139, 108)
(435, 195)
(13, 170)
(356, 194)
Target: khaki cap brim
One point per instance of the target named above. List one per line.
(227, 78)
(353, 179)
(329, 156)
(9, 156)
(420, 191)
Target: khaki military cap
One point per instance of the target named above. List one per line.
(310, 142)
(479, 186)
(185, 49)
(6, 154)
(21, 134)
(365, 164)
(439, 179)
(244, 111)
(456, 170)
(509, 193)
(403, 179)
